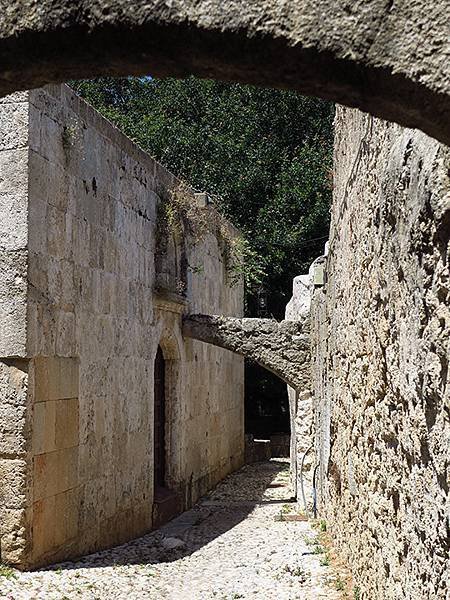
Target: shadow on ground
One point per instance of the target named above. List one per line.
(223, 508)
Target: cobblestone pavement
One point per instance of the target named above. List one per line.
(232, 544)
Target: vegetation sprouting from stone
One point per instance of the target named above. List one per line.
(7, 572)
(179, 213)
(265, 154)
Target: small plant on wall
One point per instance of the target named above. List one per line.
(180, 215)
(70, 136)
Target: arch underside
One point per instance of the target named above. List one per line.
(389, 59)
(281, 347)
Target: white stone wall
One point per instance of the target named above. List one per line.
(87, 322)
(380, 345)
(15, 443)
(300, 403)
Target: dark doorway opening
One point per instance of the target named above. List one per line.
(159, 434)
(166, 502)
(267, 417)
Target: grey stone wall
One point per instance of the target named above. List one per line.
(380, 346)
(80, 326)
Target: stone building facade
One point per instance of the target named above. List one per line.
(85, 303)
(380, 330)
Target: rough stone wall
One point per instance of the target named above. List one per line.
(300, 399)
(80, 326)
(15, 443)
(380, 330)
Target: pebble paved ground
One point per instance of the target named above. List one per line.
(230, 545)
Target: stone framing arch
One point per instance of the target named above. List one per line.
(169, 346)
(280, 347)
(168, 321)
(172, 394)
(391, 59)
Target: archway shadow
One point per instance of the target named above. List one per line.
(227, 505)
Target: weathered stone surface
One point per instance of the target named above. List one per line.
(300, 303)
(380, 333)
(390, 59)
(281, 347)
(13, 227)
(300, 400)
(15, 491)
(13, 475)
(78, 302)
(14, 531)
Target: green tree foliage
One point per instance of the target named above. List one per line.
(265, 153)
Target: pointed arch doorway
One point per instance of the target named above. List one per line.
(166, 502)
(159, 422)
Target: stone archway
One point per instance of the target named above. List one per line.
(159, 421)
(166, 501)
(281, 347)
(389, 59)
(170, 345)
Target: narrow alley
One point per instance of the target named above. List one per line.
(237, 542)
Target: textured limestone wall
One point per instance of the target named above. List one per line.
(80, 326)
(15, 442)
(300, 399)
(380, 330)
(212, 402)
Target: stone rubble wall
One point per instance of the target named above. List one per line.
(380, 347)
(80, 325)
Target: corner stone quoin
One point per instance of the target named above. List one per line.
(281, 347)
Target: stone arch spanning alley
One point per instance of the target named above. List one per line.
(391, 59)
(380, 326)
(283, 348)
